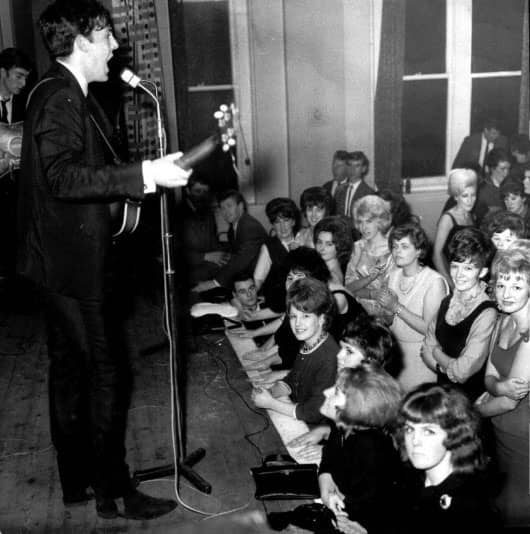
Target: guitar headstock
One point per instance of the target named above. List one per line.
(225, 116)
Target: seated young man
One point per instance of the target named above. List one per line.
(253, 312)
(245, 237)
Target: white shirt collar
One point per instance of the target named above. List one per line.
(81, 80)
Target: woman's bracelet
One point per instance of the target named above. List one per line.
(399, 309)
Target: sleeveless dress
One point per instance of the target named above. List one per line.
(413, 371)
(452, 340)
(274, 286)
(511, 437)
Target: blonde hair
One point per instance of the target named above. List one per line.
(373, 207)
(459, 179)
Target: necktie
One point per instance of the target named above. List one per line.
(230, 234)
(340, 199)
(3, 111)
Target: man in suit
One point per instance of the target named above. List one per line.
(15, 67)
(245, 237)
(476, 147)
(339, 166)
(66, 184)
(353, 187)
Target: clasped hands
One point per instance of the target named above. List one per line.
(387, 299)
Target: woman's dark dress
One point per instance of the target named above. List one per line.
(452, 340)
(365, 466)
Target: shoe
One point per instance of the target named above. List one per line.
(106, 508)
(141, 506)
(77, 497)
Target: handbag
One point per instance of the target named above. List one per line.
(280, 477)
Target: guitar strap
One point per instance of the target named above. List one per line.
(115, 157)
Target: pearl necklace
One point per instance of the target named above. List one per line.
(405, 289)
(306, 349)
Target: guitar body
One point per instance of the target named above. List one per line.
(125, 216)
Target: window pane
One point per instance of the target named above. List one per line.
(423, 128)
(207, 35)
(498, 98)
(425, 39)
(497, 35)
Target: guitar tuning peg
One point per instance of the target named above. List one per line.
(218, 115)
(223, 108)
(231, 142)
(226, 148)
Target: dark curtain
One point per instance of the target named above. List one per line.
(389, 97)
(524, 102)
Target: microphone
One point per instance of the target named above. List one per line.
(130, 78)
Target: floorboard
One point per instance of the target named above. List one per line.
(218, 417)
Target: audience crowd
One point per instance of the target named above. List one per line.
(410, 363)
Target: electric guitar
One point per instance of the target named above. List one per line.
(126, 214)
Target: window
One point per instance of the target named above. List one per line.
(458, 71)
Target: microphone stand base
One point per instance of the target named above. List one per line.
(185, 468)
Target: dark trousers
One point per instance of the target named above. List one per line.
(88, 395)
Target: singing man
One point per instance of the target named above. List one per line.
(66, 184)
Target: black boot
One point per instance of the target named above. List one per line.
(141, 506)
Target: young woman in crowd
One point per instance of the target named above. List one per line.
(269, 273)
(412, 297)
(360, 467)
(310, 307)
(507, 381)
(315, 203)
(514, 198)
(462, 186)
(365, 340)
(371, 259)
(281, 350)
(333, 242)
(447, 491)
(503, 228)
(457, 341)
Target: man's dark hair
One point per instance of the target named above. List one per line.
(243, 276)
(12, 57)
(491, 122)
(62, 21)
(232, 193)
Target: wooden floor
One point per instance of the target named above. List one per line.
(217, 418)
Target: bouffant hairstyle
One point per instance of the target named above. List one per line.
(399, 207)
(373, 207)
(372, 337)
(372, 397)
(459, 179)
(283, 207)
(499, 221)
(470, 244)
(307, 261)
(63, 20)
(516, 260)
(417, 237)
(341, 233)
(512, 186)
(450, 408)
(316, 196)
(495, 156)
(310, 295)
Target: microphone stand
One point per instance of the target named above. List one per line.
(183, 464)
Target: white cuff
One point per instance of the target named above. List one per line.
(149, 181)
